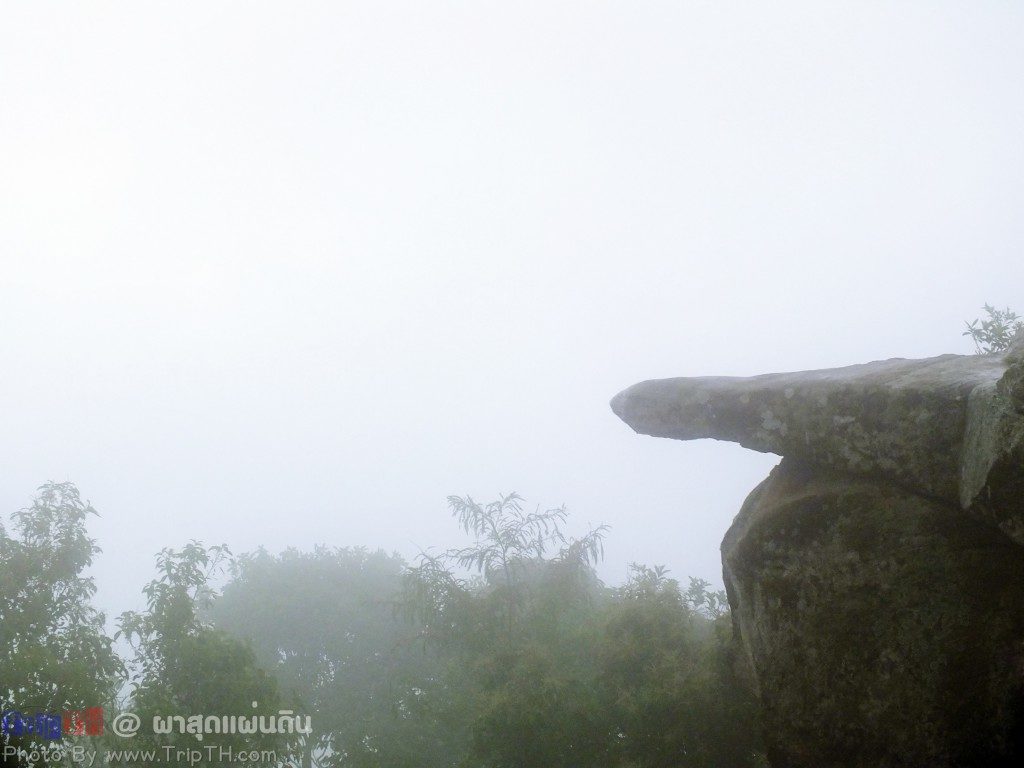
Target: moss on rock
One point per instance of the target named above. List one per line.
(884, 629)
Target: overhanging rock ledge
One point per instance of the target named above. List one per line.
(876, 578)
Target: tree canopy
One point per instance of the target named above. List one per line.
(55, 654)
(506, 652)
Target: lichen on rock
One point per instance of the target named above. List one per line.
(883, 627)
(948, 427)
(876, 578)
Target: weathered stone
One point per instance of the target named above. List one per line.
(884, 629)
(992, 458)
(883, 625)
(949, 427)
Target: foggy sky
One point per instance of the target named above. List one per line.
(289, 273)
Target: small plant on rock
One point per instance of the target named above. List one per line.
(995, 333)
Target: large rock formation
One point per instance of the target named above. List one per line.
(877, 576)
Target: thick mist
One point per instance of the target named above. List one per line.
(287, 274)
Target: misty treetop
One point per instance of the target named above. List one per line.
(507, 651)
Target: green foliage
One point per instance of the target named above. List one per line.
(995, 333)
(516, 629)
(538, 704)
(670, 678)
(505, 653)
(507, 537)
(325, 624)
(183, 666)
(54, 653)
(654, 584)
(563, 671)
(510, 549)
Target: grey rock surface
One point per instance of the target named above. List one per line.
(883, 628)
(948, 427)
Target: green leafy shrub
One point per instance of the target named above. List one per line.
(995, 333)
